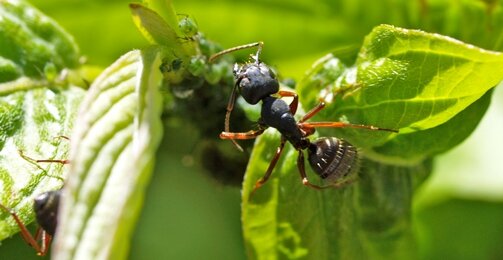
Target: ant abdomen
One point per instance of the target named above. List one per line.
(333, 159)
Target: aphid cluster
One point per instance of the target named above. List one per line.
(199, 100)
(333, 159)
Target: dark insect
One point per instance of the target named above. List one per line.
(45, 206)
(46, 210)
(333, 159)
(198, 101)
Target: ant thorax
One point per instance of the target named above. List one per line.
(255, 81)
(276, 113)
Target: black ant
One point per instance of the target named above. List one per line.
(333, 159)
(45, 206)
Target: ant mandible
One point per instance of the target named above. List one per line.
(45, 206)
(333, 159)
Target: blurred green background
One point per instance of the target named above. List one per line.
(458, 212)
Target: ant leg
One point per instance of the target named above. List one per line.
(342, 125)
(63, 137)
(230, 107)
(295, 102)
(303, 176)
(237, 48)
(46, 242)
(241, 136)
(312, 112)
(309, 126)
(26, 235)
(42, 235)
(62, 161)
(272, 164)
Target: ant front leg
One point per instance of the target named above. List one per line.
(63, 137)
(272, 164)
(230, 107)
(28, 237)
(62, 161)
(242, 136)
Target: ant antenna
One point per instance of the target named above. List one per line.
(237, 48)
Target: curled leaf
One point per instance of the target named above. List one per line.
(113, 148)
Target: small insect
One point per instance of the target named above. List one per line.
(188, 26)
(333, 159)
(45, 206)
(46, 210)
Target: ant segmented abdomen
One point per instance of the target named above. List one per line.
(333, 159)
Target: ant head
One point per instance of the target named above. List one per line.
(255, 81)
(46, 209)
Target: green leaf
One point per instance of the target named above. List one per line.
(404, 79)
(437, 139)
(166, 10)
(426, 85)
(37, 105)
(157, 31)
(368, 219)
(443, 227)
(30, 41)
(31, 121)
(152, 26)
(113, 147)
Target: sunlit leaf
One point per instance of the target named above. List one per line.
(427, 86)
(366, 220)
(114, 143)
(408, 80)
(158, 31)
(152, 26)
(31, 41)
(37, 106)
